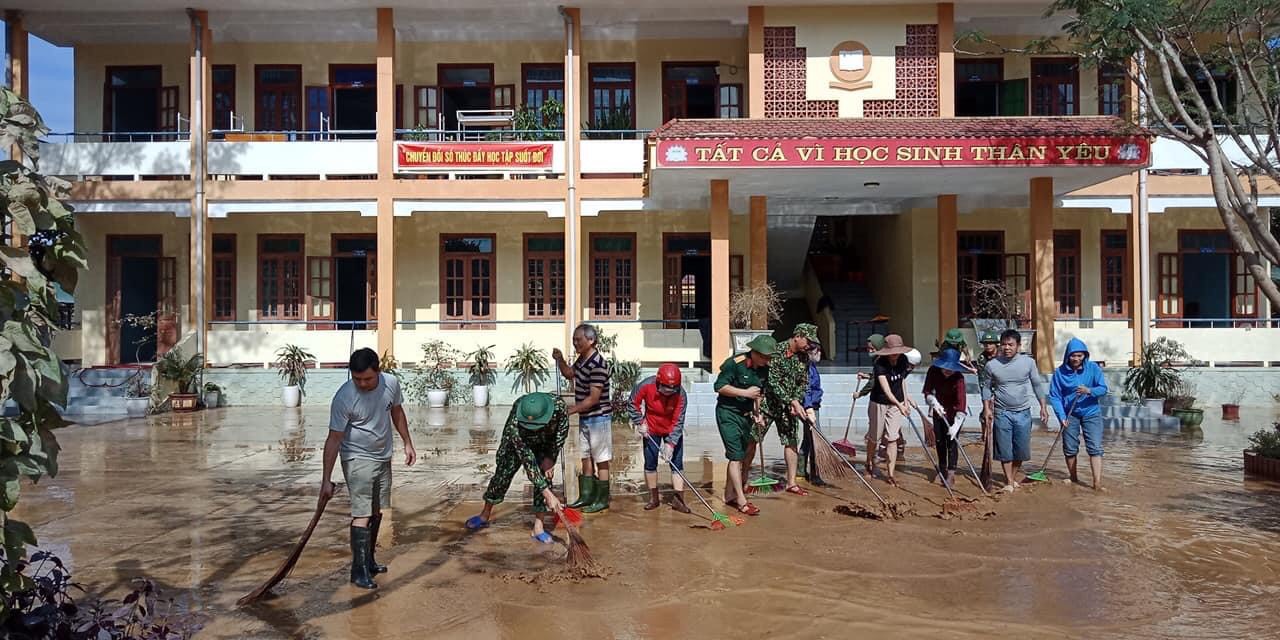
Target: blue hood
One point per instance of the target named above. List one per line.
(1075, 345)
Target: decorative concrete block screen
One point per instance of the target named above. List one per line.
(916, 73)
(784, 78)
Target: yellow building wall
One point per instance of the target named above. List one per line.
(1018, 65)
(91, 62)
(880, 28)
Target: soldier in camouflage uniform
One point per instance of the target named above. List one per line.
(784, 391)
(990, 350)
(532, 439)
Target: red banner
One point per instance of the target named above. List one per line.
(462, 156)
(906, 152)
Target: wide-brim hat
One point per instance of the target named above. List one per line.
(949, 360)
(534, 410)
(893, 346)
(763, 344)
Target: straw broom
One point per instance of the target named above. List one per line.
(825, 458)
(289, 562)
(579, 559)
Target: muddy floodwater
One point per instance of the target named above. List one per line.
(208, 505)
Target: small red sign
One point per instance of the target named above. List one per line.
(463, 156)
(906, 152)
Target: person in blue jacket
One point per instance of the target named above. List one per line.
(1081, 382)
(812, 403)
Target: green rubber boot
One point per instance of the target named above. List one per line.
(586, 492)
(601, 494)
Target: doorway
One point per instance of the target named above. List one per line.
(690, 90)
(355, 260)
(355, 98)
(1205, 280)
(135, 104)
(141, 299)
(464, 87)
(686, 279)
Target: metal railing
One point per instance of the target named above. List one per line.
(480, 135)
(116, 136)
(1215, 323)
(327, 135)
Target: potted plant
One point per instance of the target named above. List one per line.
(291, 363)
(481, 374)
(623, 376)
(997, 307)
(137, 396)
(1263, 455)
(748, 304)
(528, 368)
(182, 372)
(1154, 378)
(1231, 409)
(212, 395)
(433, 377)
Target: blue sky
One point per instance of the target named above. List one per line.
(52, 88)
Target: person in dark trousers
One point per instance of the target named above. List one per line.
(657, 409)
(361, 417)
(812, 403)
(944, 394)
(1080, 381)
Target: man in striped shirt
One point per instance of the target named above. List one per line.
(590, 375)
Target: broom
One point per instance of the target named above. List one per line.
(925, 418)
(843, 445)
(718, 520)
(763, 483)
(1039, 475)
(579, 559)
(825, 458)
(890, 509)
(289, 562)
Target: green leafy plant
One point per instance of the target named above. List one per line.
(528, 367)
(212, 387)
(172, 366)
(623, 376)
(291, 363)
(541, 123)
(30, 371)
(434, 371)
(1154, 376)
(137, 387)
(1182, 397)
(481, 371)
(1266, 442)
(611, 123)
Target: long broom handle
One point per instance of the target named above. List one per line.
(1061, 428)
(962, 452)
(936, 466)
(681, 474)
(851, 467)
(849, 425)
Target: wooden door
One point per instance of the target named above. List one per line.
(1244, 292)
(166, 305)
(671, 264)
(674, 99)
(167, 109)
(320, 303)
(371, 286)
(1168, 289)
(113, 309)
(1017, 277)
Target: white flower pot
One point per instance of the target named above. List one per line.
(136, 407)
(1154, 405)
(480, 394)
(437, 397)
(211, 399)
(291, 396)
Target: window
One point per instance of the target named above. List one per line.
(613, 276)
(613, 87)
(278, 97)
(978, 87)
(280, 277)
(133, 101)
(686, 278)
(735, 272)
(469, 87)
(1066, 272)
(979, 256)
(1114, 254)
(224, 95)
(224, 276)
(543, 83)
(690, 90)
(466, 75)
(467, 280)
(1223, 81)
(544, 276)
(1055, 87)
(731, 100)
(1112, 85)
(426, 107)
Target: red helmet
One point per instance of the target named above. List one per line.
(669, 375)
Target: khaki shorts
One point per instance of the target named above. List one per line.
(884, 423)
(367, 479)
(595, 438)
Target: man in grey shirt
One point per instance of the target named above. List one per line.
(360, 420)
(1013, 385)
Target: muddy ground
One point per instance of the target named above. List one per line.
(208, 505)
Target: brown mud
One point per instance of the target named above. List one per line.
(1182, 546)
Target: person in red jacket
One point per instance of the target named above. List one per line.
(657, 410)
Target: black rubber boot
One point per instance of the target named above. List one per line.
(677, 502)
(374, 523)
(653, 500)
(360, 544)
(586, 492)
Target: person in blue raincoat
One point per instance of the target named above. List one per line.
(1076, 387)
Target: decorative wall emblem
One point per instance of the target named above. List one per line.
(850, 64)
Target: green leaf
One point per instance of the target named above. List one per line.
(51, 449)
(24, 386)
(12, 431)
(17, 530)
(10, 489)
(30, 466)
(53, 384)
(18, 260)
(7, 361)
(22, 336)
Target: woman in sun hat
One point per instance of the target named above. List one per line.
(944, 393)
(889, 402)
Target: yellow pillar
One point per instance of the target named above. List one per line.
(201, 241)
(1134, 267)
(946, 60)
(948, 313)
(721, 348)
(755, 62)
(574, 302)
(759, 233)
(1042, 300)
(386, 85)
(19, 80)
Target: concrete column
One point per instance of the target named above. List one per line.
(573, 249)
(948, 305)
(755, 62)
(200, 106)
(1041, 271)
(721, 347)
(385, 52)
(16, 48)
(1135, 300)
(759, 234)
(946, 60)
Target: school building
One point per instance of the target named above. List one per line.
(339, 174)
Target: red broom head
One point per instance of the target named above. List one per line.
(716, 525)
(572, 515)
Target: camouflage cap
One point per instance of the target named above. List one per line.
(806, 330)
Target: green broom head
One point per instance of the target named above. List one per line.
(1038, 476)
(719, 521)
(763, 484)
